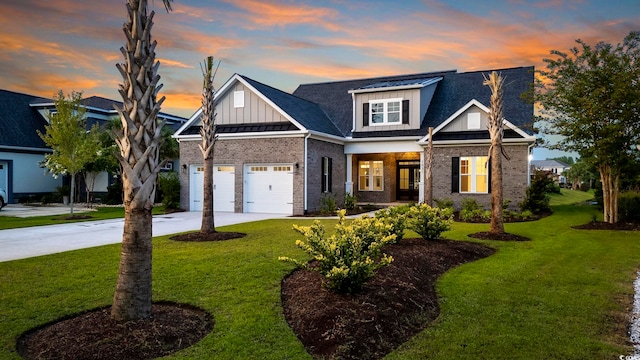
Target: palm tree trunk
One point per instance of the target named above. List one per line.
(208, 224)
(132, 299)
(497, 223)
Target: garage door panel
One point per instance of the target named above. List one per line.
(269, 188)
(223, 188)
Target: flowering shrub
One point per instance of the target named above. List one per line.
(430, 222)
(350, 257)
(395, 219)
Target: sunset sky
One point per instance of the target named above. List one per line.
(74, 44)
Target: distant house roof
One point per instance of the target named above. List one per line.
(548, 164)
(19, 121)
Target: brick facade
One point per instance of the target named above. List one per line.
(238, 152)
(389, 162)
(514, 173)
(317, 149)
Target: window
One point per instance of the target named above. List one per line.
(474, 175)
(326, 174)
(282, 168)
(385, 112)
(238, 99)
(225, 168)
(371, 176)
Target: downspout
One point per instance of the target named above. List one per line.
(529, 158)
(306, 187)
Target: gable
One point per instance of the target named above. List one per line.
(244, 105)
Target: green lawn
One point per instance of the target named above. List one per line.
(569, 197)
(562, 295)
(102, 213)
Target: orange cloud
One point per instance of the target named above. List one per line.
(269, 14)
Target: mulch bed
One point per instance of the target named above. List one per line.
(214, 236)
(396, 304)
(93, 335)
(487, 235)
(600, 225)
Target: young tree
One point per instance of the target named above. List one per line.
(591, 96)
(208, 133)
(495, 82)
(73, 147)
(139, 150)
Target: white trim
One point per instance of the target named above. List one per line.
(384, 147)
(385, 111)
(23, 148)
(383, 139)
(239, 78)
(525, 137)
(482, 142)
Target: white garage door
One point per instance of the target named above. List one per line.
(223, 188)
(268, 188)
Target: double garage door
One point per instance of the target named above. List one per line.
(268, 188)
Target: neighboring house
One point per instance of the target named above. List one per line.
(554, 168)
(22, 150)
(281, 153)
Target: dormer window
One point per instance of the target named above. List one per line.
(385, 112)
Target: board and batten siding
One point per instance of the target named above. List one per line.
(460, 123)
(255, 110)
(413, 95)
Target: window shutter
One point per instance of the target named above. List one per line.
(455, 174)
(329, 172)
(365, 114)
(405, 112)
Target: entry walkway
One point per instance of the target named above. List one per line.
(43, 240)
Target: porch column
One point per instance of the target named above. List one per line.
(348, 185)
(421, 182)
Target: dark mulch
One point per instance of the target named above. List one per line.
(486, 235)
(600, 225)
(214, 236)
(395, 305)
(93, 335)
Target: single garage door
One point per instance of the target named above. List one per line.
(268, 188)
(223, 188)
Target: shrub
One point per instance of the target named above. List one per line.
(629, 206)
(328, 203)
(349, 257)
(473, 212)
(446, 203)
(395, 219)
(584, 187)
(169, 184)
(536, 199)
(430, 222)
(350, 201)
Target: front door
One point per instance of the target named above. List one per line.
(408, 180)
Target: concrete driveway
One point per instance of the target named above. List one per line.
(42, 240)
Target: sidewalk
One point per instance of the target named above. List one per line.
(42, 240)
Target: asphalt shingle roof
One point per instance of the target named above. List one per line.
(19, 121)
(335, 100)
(307, 113)
(453, 92)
